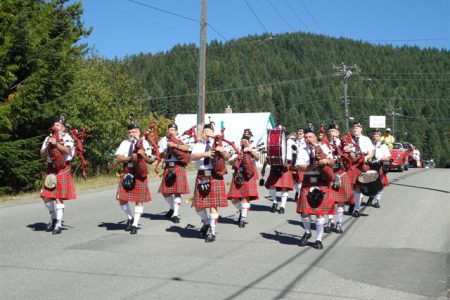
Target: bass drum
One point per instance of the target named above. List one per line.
(370, 183)
(276, 147)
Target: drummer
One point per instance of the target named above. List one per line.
(280, 178)
(294, 144)
(381, 154)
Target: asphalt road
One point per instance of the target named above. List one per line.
(400, 251)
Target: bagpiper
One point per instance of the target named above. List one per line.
(210, 161)
(174, 182)
(58, 150)
(293, 146)
(243, 188)
(134, 154)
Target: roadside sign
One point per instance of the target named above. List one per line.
(377, 121)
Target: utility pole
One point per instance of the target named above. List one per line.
(202, 72)
(395, 113)
(346, 72)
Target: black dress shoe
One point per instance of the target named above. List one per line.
(377, 205)
(169, 214)
(274, 208)
(281, 211)
(304, 240)
(51, 225)
(133, 230)
(369, 201)
(356, 214)
(204, 230)
(129, 224)
(57, 230)
(327, 229)
(338, 228)
(175, 219)
(242, 223)
(210, 238)
(318, 245)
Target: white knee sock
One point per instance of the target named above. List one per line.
(298, 186)
(378, 197)
(244, 210)
(307, 224)
(358, 197)
(237, 205)
(203, 214)
(319, 228)
(176, 205)
(59, 213)
(51, 209)
(284, 197)
(169, 200)
(138, 210)
(213, 219)
(339, 214)
(331, 218)
(273, 195)
(126, 209)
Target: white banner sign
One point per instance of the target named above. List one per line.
(377, 122)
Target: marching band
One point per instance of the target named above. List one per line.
(326, 170)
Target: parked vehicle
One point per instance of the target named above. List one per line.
(399, 158)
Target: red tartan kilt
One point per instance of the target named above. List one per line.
(180, 186)
(297, 176)
(140, 193)
(217, 196)
(383, 177)
(344, 194)
(327, 207)
(353, 174)
(283, 182)
(64, 189)
(248, 190)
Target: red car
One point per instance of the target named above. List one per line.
(399, 158)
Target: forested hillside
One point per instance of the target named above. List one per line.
(291, 75)
(45, 71)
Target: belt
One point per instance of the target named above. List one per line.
(171, 164)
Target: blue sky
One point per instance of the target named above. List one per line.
(121, 27)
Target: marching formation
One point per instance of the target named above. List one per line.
(326, 170)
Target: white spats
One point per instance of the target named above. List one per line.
(339, 214)
(138, 210)
(213, 220)
(297, 187)
(237, 204)
(176, 205)
(59, 214)
(50, 205)
(273, 195)
(319, 228)
(244, 210)
(126, 209)
(378, 197)
(284, 197)
(307, 224)
(358, 198)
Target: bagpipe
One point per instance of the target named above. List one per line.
(58, 159)
(326, 171)
(140, 166)
(78, 136)
(244, 167)
(151, 135)
(359, 161)
(182, 156)
(218, 162)
(190, 133)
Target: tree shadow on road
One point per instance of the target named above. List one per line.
(282, 238)
(186, 232)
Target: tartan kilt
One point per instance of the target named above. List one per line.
(327, 206)
(297, 176)
(217, 197)
(64, 189)
(247, 190)
(283, 182)
(180, 186)
(140, 193)
(344, 194)
(353, 173)
(383, 177)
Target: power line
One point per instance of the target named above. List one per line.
(312, 17)
(254, 14)
(280, 15)
(178, 15)
(296, 15)
(401, 98)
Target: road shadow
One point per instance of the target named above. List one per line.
(227, 220)
(282, 238)
(38, 226)
(259, 207)
(186, 232)
(299, 223)
(160, 216)
(113, 226)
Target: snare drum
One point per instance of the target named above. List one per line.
(370, 183)
(276, 147)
